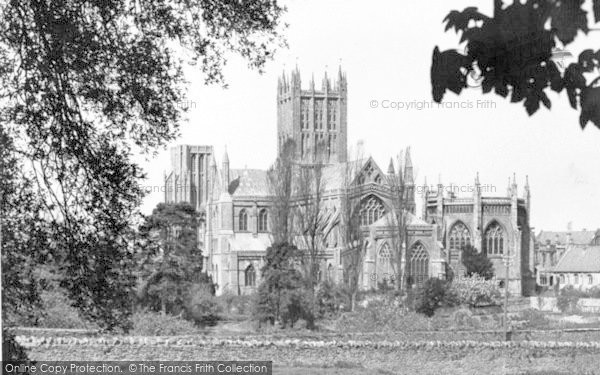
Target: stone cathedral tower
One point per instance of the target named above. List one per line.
(315, 119)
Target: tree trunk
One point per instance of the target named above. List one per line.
(353, 301)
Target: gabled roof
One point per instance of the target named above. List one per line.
(248, 182)
(580, 258)
(581, 237)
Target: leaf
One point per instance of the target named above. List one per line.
(532, 104)
(545, 100)
(573, 81)
(587, 60)
(460, 20)
(517, 94)
(448, 72)
(597, 10)
(556, 81)
(590, 106)
(567, 19)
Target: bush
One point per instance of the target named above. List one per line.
(475, 291)
(434, 294)
(234, 306)
(11, 349)
(331, 299)
(567, 299)
(58, 312)
(594, 292)
(202, 306)
(534, 319)
(477, 263)
(150, 323)
(386, 315)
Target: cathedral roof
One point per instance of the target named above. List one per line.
(580, 258)
(248, 182)
(582, 237)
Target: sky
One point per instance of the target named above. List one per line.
(385, 48)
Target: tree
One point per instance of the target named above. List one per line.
(512, 52)
(435, 293)
(400, 183)
(23, 242)
(85, 84)
(351, 231)
(310, 218)
(477, 263)
(172, 261)
(280, 182)
(280, 294)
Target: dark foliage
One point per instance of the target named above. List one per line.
(84, 85)
(513, 53)
(23, 241)
(477, 262)
(171, 261)
(434, 294)
(281, 294)
(567, 299)
(11, 350)
(201, 305)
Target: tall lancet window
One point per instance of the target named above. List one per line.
(262, 220)
(243, 220)
(495, 239)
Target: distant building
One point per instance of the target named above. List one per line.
(552, 246)
(235, 204)
(578, 267)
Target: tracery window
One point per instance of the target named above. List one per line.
(371, 211)
(494, 239)
(243, 220)
(459, 237)
(418, 271)
(331, 114)
(384, 263)
(262, 220)
(304, 114)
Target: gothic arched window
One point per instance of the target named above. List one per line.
(384, 263)
(250, 276)
(372, 210)
(494, 239)
(459, 237)
(262, 220)
(418, 271)
(243, 219)
(329, 272)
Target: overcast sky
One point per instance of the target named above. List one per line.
(385, 48)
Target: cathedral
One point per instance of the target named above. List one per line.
(235, 205)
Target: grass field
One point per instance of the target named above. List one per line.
(350, 360)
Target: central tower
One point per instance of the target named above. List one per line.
(316, 120)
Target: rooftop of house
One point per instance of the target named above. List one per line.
(581, 237)
(580, 258)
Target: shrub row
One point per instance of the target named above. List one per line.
(30, 342)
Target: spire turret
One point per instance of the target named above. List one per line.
(391, 167)
(408, 168)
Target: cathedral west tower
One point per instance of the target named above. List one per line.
(316, 120)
